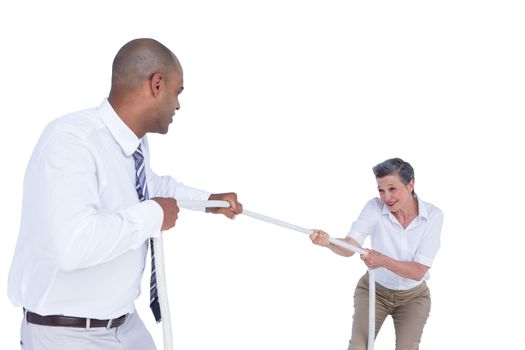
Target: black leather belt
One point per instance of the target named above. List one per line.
(77, 322)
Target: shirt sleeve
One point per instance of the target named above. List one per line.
(82, 233)
(431, 239)
(167, 186)
(366, 222)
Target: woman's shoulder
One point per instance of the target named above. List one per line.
(375, 204)
(429, 209)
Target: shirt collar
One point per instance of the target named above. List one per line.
(124, 136)
(423, 209)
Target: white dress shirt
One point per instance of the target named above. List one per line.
(419, 242)
(82, 245)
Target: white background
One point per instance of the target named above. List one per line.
(290, 104)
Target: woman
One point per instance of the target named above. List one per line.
(405, 237)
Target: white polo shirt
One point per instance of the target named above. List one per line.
(82, 245)
(419, 242)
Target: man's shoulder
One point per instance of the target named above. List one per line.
(79, 124)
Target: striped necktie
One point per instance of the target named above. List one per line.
(142, 191)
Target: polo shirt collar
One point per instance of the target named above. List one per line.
(386, 210)
(124, 136)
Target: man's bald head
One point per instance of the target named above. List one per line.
(138, 60)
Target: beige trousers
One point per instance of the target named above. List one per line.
(409, 309)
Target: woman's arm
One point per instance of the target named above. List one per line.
(322, 238)
(407, 269)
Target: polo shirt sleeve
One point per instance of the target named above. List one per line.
(431, 239)
(366, 222)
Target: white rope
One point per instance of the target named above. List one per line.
(371, 308)
(162, 290)
(161, 278)
(158, 247)
(342, 244)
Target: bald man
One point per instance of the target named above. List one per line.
(91, 206)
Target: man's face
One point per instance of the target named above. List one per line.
(168, 101)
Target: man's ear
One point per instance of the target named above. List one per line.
(156, 82)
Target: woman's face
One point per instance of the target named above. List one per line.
(394, 192)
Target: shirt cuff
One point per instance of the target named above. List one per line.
(356, 237)
(193, 194)
(423, 260)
